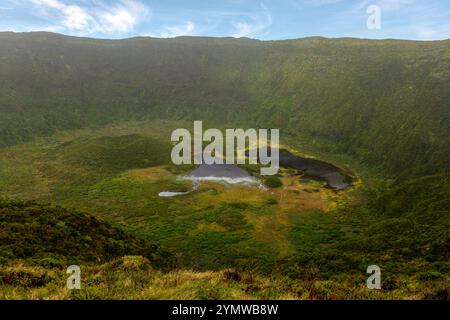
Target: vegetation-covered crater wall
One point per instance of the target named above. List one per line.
(385, 102)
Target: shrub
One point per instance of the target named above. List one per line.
(273, 182)
(24, 276)
(271, 201)
(231, 275)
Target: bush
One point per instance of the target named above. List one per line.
(50, 262)
(429, 276)
(271, 201)
(273, 182)
(24, 276)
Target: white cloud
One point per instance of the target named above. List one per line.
(94, 16)
(254, 24)
(72, 16)
(242, 29)
(175, 31)
(122, 17)
(120, 20)
(76, 17)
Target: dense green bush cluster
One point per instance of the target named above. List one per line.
(382, 103)
(347, 95)
(52, 236)
(119, 153)
(273, 182)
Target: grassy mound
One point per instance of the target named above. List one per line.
(118, 153)
(133, 277)
(52, 236)
(273, 182)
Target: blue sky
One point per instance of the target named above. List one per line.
(266, 20)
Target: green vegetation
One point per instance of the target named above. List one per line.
(51, 236)
(132, 277)
(116, 154)
(85, 125)
(273, 182)
(341, 94)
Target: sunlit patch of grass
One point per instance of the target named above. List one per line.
(214, 226)
(250, 224)
(133, 277)
(152, 174)
(227, 193)
(19, 180)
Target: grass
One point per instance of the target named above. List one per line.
(105, 174)
(50, 236)
(314, 241)
(273, 182)
(133, 277)
(373, 120)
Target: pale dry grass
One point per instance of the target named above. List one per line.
(133, 277)
(152, 174)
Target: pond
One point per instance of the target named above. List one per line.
(315, 169)
(334, 177)
(228, 173)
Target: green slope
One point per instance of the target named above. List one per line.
(385, 102)
(52, 236)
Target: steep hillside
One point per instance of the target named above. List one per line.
(52, 236)
(381, 109)
(385, 102)
(39, 241)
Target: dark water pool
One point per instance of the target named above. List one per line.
(229, 173)
(334, 177)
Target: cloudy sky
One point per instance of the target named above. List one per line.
(266, 19)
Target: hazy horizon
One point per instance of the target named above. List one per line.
(216, 37)
(261, 20)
